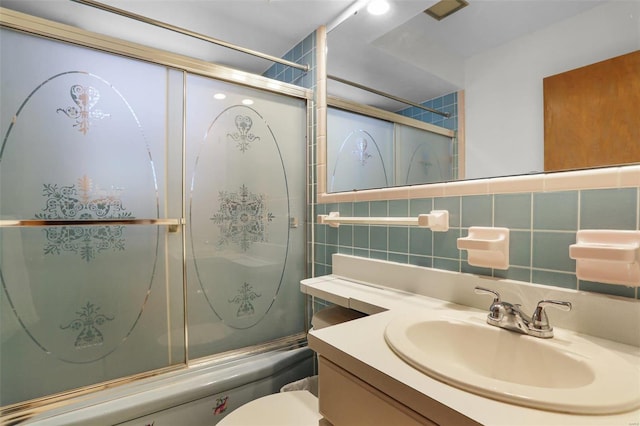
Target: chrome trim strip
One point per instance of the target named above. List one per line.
(189, 33)
(284, 343)
(31, 223)
(183, 198)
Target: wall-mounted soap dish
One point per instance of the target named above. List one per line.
(607, 256)
(486, 247)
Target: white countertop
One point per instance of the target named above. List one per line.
(359, 347)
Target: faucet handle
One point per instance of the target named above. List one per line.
(539, 319)
(494, 309)
(482, 290)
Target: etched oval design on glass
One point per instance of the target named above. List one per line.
(75, 150)
(426, 166)
(422, 156)
(239, 217)
(359, 164)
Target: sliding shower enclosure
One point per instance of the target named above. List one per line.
(150, 213)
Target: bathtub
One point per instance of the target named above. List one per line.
(199, 395)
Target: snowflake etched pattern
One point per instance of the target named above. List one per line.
(242, 218)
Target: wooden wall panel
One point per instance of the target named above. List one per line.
(592, 115)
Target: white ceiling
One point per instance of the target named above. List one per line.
(405, 53)
(411, 55)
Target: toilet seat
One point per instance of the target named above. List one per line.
(295, 408)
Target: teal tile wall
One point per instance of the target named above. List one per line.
(305, 53)
(542, 227)
(302, 53)
(447, 103)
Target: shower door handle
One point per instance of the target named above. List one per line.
(10, 223)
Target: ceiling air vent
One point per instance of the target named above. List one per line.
(444, 8)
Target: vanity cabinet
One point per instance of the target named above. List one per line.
(362, 380)
(346, 400)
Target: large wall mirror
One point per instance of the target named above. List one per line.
(490, 57)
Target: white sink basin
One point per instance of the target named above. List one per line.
(567, 373)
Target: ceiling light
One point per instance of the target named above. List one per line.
(247, 101)
(378, 7)
(444, 8)
(219, 96)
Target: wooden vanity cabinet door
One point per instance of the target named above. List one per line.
(346, 400)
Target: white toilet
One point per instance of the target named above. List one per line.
(295, 408)
(289, 408)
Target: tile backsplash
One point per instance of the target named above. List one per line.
(542, 226)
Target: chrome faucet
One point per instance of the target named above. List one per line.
(510, 317)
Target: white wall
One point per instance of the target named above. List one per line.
(503, 87)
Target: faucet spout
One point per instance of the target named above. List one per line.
(510, 317)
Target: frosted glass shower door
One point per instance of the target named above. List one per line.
(85, 142)
(245, 164)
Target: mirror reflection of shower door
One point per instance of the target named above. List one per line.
(246, 171)
(359, 151)
(85, 137)
(422, 156)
